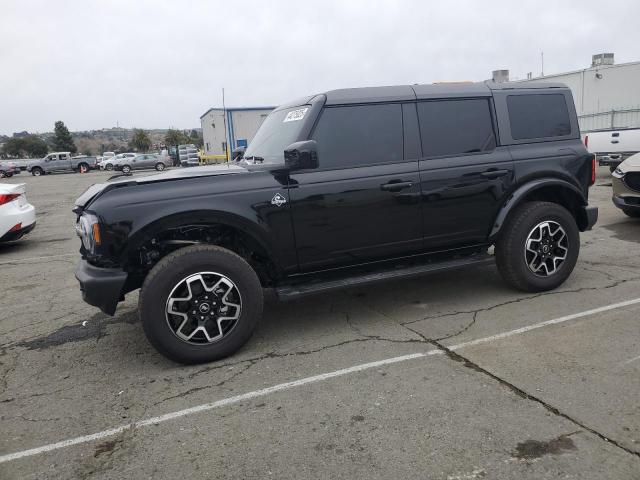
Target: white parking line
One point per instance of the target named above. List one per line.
(303, 381)
(28, 259)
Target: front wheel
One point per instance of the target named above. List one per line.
(4, 174)
(108, 167)
(538, 246)
(36, 171)
(200, 304)
(83, 168)
(159, 166)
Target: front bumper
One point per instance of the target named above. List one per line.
(626, 203)
(101, 287)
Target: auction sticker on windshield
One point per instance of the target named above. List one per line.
(295, 115)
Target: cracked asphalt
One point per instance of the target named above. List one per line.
(555, 402)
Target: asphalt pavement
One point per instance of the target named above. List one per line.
(452, 376)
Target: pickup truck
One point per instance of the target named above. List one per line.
(612, 147)
(343, 189)
(61, 162)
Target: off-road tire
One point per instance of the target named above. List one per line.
(168, 272)
(510, 246)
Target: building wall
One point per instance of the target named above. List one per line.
(241, 124)
(612, 101)
(213, 132)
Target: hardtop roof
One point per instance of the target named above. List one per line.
(427, 91)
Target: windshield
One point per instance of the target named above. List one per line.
(279, 130)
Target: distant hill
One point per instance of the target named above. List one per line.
(115, 139)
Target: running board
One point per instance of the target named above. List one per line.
(289, 292)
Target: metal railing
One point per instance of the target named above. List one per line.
(610, 120)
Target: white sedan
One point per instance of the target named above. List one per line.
(17, 216)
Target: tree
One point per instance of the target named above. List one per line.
(176, 137)
(29, 146)
(196, 138)
(62, 140)
(35, 146)
(140, 140)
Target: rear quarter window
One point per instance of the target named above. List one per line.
(538, 116)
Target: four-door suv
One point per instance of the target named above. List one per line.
(626, 186)
(341, 189)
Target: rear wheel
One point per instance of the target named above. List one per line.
(126, 169)
(4, 174)
(200, 303)
(159, 166)
(36, 171)
(634, 213)
(538, 247)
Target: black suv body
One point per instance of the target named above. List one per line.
(339, 189)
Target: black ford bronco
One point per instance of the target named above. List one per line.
(340, 189)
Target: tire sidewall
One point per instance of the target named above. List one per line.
(154, 298)
(160, 166)
(126, 169)
(557, 214)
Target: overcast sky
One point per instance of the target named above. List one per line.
(157, 63)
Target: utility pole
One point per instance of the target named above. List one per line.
(224, 121)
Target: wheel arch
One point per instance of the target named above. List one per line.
(553, 190)
(242, 229)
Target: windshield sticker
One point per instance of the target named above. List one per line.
(295, 115)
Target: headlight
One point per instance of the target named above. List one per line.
(618, 173)
(88, 229)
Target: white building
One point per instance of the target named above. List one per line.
(233, 127)
(606, 95)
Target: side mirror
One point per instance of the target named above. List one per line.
(237, 153)
(301, 155)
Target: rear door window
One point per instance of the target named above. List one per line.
(456, 127)
(359, 135)
(538, 116)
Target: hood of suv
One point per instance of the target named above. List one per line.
(631, 164)
(176, 174)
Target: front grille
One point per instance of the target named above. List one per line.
(632, 180)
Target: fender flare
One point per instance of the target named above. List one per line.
(157, 225)
(522, 191)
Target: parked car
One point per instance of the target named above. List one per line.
(60, 162)
(140, 162)
(111, 161)
(105, 156)
(612, 147)
(17, 215)
(626, 186)
(8, 169)
(341, 189)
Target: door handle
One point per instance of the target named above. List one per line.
(494, 173)
(395, 186)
